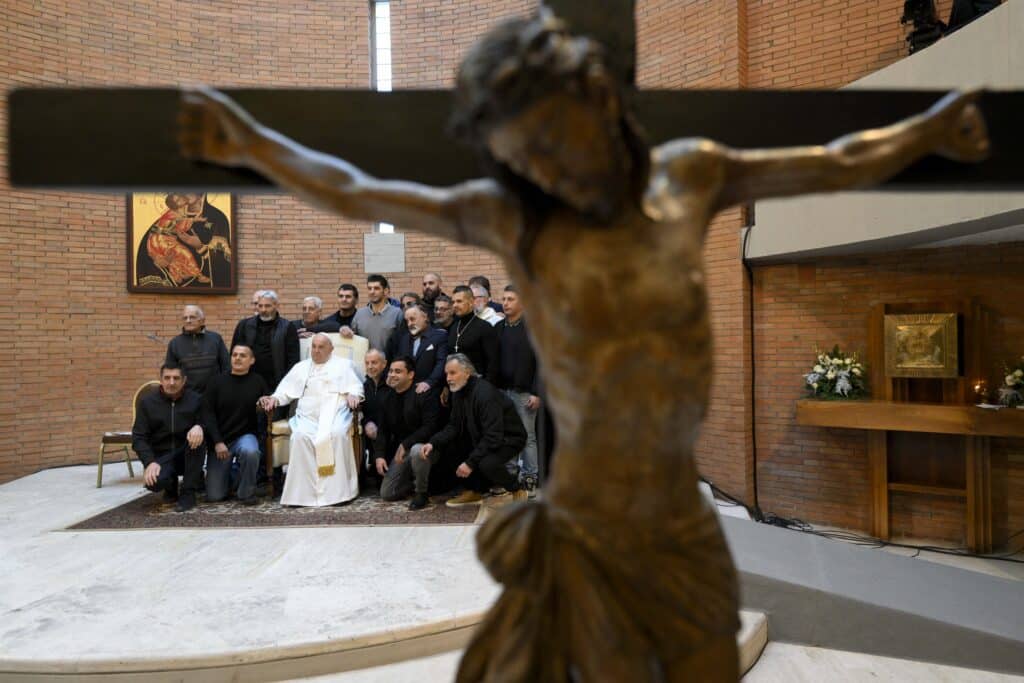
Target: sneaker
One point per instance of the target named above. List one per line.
(419, 501)
(467, 497)
(186, 502)
(530, 484)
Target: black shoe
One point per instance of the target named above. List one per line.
(251, 500)
(171, 492)
(419, 501)
(186, 502)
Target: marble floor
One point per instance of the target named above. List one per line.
(217, 604)
(86, 601)
(779, 663)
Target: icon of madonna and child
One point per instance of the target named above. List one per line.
(181, 241)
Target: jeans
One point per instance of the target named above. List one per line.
(412, 474)
(246, 450)
(528, 458)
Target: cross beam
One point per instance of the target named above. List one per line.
(115, 140)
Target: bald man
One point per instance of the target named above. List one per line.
(199, 352)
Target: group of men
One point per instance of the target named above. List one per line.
(449, 400)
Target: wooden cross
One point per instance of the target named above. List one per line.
(55, 133)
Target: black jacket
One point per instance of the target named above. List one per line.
(326, 325)
(518, 364)
(373, 393)
(432, 353)
(162, 424)
(201, 356)
(341, 320)
(479, 340)
(405, 419)
(284, 344)
(487, 417)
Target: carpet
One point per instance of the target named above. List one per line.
(150, 512)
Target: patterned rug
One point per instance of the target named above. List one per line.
(150, 512)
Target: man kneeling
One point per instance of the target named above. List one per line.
(406, 419)
(489, 420)
(169, 439)
(321, 465)
(230, 416)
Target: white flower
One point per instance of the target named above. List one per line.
(814, 386)
(818, 369)
(856, 371)
(1018, 373)
(1010, 380)
(831, 374)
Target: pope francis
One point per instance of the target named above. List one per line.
(321, 465)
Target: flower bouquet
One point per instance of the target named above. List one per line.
(837, 376)
(1011, 393)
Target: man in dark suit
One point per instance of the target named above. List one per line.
(426, 345)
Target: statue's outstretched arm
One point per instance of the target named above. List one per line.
(214, 128)
(953, 127)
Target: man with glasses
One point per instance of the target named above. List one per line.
(444, 314)
(481, 301)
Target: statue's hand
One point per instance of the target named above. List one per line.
(966, 136)
(212, 127)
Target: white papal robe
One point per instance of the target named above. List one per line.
(318, 388)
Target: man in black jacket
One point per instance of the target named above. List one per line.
(273, 340)
(489, 420)
(375, 387)
(444, 314)
(230, 416)
(199, 352)
(348, 299)
(168, 436)
(472, 336)
(518, 379)
(426, 345)
(407, 420)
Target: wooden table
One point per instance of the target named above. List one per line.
(977, 425)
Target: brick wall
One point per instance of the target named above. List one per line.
(79, 342)
(821, 475)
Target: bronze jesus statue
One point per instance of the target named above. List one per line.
(621, 573)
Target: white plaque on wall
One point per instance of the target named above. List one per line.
(384, 253)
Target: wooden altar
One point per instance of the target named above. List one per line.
(925, 435)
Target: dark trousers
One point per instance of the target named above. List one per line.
(186, 464)
(493, 470)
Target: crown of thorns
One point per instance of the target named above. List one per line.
(515, 64)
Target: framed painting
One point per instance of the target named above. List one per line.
(921, 345)
(182, 243)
